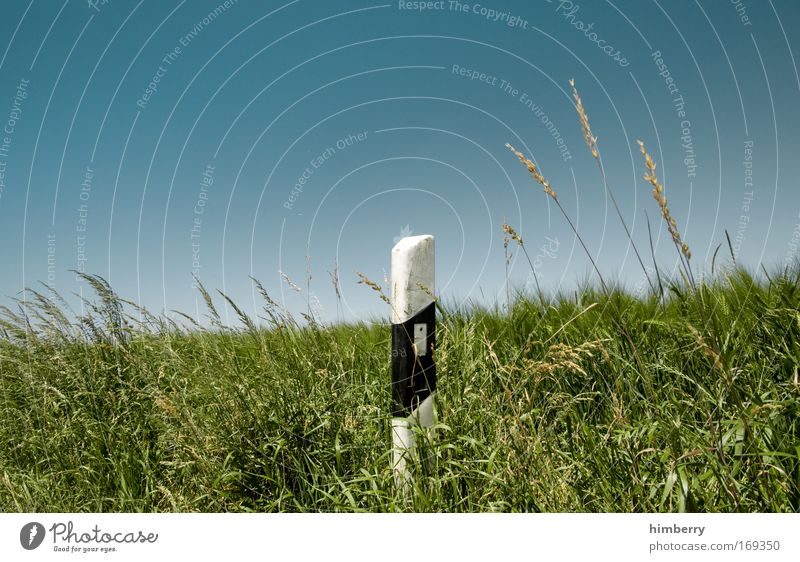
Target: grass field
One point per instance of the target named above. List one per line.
(592, 401)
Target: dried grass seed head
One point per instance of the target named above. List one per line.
(512, 234)
(534, 171)
(658, 189)
(591, 140)
(374, 286)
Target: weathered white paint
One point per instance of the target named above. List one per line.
(404, 438)
(412, 266)
(412, 291)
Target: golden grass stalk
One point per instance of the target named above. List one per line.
(563, 358)
(506, 240)
(661, 199)
(289, 282)
(591, 142)
(334, 275)
(672, 226)
(364, 280)
(335, 280)
(709, 351)
(537, 175)
(512, 234)
(425, 289)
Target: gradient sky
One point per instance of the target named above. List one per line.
(141, 188)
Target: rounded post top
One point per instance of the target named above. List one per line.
(412, 276)
(410, 243)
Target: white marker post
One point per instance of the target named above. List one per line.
(413, 339)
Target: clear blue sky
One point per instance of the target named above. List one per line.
(146, 140)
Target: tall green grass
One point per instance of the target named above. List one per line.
(540, 407)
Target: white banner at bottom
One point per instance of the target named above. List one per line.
(120, 537)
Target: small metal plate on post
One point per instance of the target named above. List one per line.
(421, 339)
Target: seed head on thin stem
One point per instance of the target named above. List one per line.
(512, 234)
(374, 286)
(591, 140)
(661, 199)
(289, 282)
(335, 279)
(427, 291)
(537, 175)
(549, 190)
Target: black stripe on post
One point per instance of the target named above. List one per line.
(413, 370)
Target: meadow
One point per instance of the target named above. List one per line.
(543, 406)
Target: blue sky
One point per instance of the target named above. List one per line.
(145, 141)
